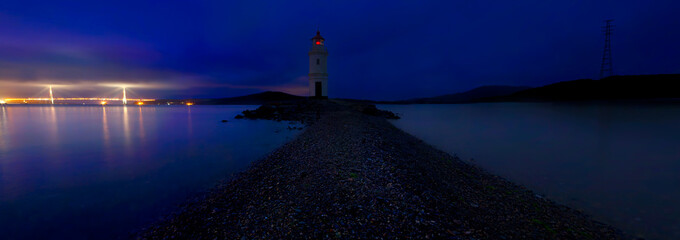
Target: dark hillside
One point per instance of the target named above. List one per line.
(468, 96)
(661, 86)
(254, 99)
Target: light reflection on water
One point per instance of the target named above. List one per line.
(96, 172)
(3, 128)
(618, 162)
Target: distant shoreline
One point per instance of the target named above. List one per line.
(659, 88)
(259, 103)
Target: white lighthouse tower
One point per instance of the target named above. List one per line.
(318, 75)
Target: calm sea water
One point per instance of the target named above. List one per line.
(617, 162)
(73, 172)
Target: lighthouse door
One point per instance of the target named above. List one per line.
(317, 89)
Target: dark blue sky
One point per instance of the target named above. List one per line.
(381, 50)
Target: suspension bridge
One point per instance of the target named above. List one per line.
(100, 100)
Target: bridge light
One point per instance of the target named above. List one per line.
(102, 102)
(51, 95)
(124, 97)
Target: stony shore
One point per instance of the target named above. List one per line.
(353, 175)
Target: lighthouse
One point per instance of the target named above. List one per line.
(318, 75)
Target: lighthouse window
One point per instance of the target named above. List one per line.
(318, 61)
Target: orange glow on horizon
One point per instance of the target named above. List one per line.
(140, 103)
(80, 99)
(103, 102)
(189, 104)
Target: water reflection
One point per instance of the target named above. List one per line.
(54, 126)
(106, 136)
(126, 131)
(190, 126)
(3, 129)
(619, 163)
(604, 121)
(88, 172)
(142, 132)
(3, 148)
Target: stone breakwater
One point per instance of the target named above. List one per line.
(352, 175)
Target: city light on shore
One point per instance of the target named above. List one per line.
(9, 100)
(102, 102)
(51, 99)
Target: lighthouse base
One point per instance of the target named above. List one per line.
(318, 87)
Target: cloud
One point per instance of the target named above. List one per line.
(32, 58)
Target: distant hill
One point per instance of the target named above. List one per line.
(253, 99)
(473, 95)
(661, 86)
(632, 87)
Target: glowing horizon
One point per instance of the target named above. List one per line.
(7, 100)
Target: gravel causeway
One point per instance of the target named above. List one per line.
(352, 175)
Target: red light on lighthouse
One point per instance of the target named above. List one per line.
(318, 42)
